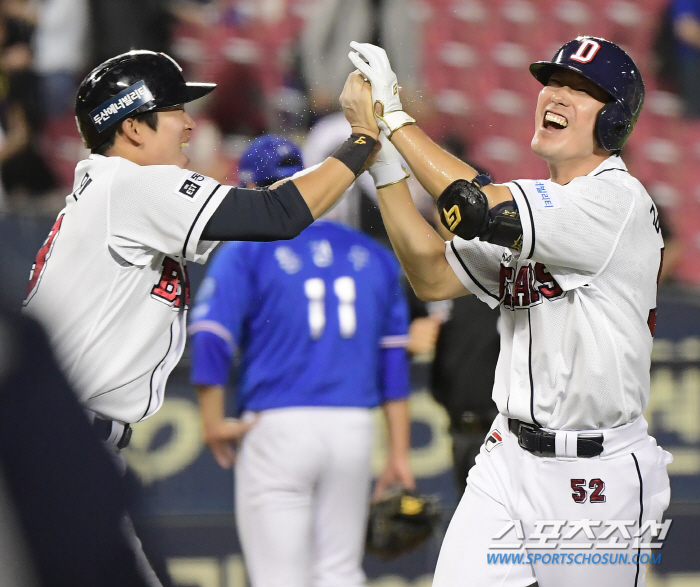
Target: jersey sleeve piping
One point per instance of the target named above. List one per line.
(214, 328)
(528, 229)
(465, 276)
(394, 341)
(200, 221)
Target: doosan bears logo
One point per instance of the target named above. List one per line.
(527, 287)
(586, 51)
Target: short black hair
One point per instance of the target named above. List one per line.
(150, 118)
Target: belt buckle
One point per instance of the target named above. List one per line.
(520, 427)
(536, 437)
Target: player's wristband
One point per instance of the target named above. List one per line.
(386, 175)
(353, 153)
(393, 121)
(482, 179)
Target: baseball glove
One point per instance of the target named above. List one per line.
(400, 521)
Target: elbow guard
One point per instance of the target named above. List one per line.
(464, 211)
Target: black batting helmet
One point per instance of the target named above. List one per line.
(129, 84)
(611, 69)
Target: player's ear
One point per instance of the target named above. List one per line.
(133, 130)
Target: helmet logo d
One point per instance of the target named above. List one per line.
(586, 51)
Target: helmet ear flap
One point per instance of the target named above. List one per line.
(613, 126)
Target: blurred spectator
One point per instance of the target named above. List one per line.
(60, 51)
(462, 376)
(664, 60)
(334, 23)
(239, 105)
(686, 26)
(117, 26)
(24, 171)
(230, 39)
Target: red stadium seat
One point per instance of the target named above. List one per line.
(472, 21)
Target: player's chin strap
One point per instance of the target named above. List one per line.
(464, 211)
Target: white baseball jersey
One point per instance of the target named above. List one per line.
(110, 283)
(577, 303)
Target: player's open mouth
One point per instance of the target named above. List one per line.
(554, 121)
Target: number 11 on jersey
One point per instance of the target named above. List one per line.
(344, 289)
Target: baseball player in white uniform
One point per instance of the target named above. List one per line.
(110, 283)
(572, 262)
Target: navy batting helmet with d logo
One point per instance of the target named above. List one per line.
(611, 69)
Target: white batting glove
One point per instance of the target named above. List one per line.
(385, 87)
(387, 169)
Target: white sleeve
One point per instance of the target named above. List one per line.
(573, 229)
(477, 264)
(161, 208)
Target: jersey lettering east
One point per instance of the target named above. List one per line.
(527, 287)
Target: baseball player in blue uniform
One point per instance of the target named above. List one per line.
(318, 325)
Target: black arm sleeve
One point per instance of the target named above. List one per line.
(259, 215)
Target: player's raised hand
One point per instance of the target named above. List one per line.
(356, 101)
(374, 64)
(223, 437)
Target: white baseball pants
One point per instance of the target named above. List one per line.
(302, 495)
(509, 483)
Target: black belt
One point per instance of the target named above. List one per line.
(104, 431)
(536, 440)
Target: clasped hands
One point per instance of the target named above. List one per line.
(371, 103)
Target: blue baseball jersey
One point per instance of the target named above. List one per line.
(319, 320)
